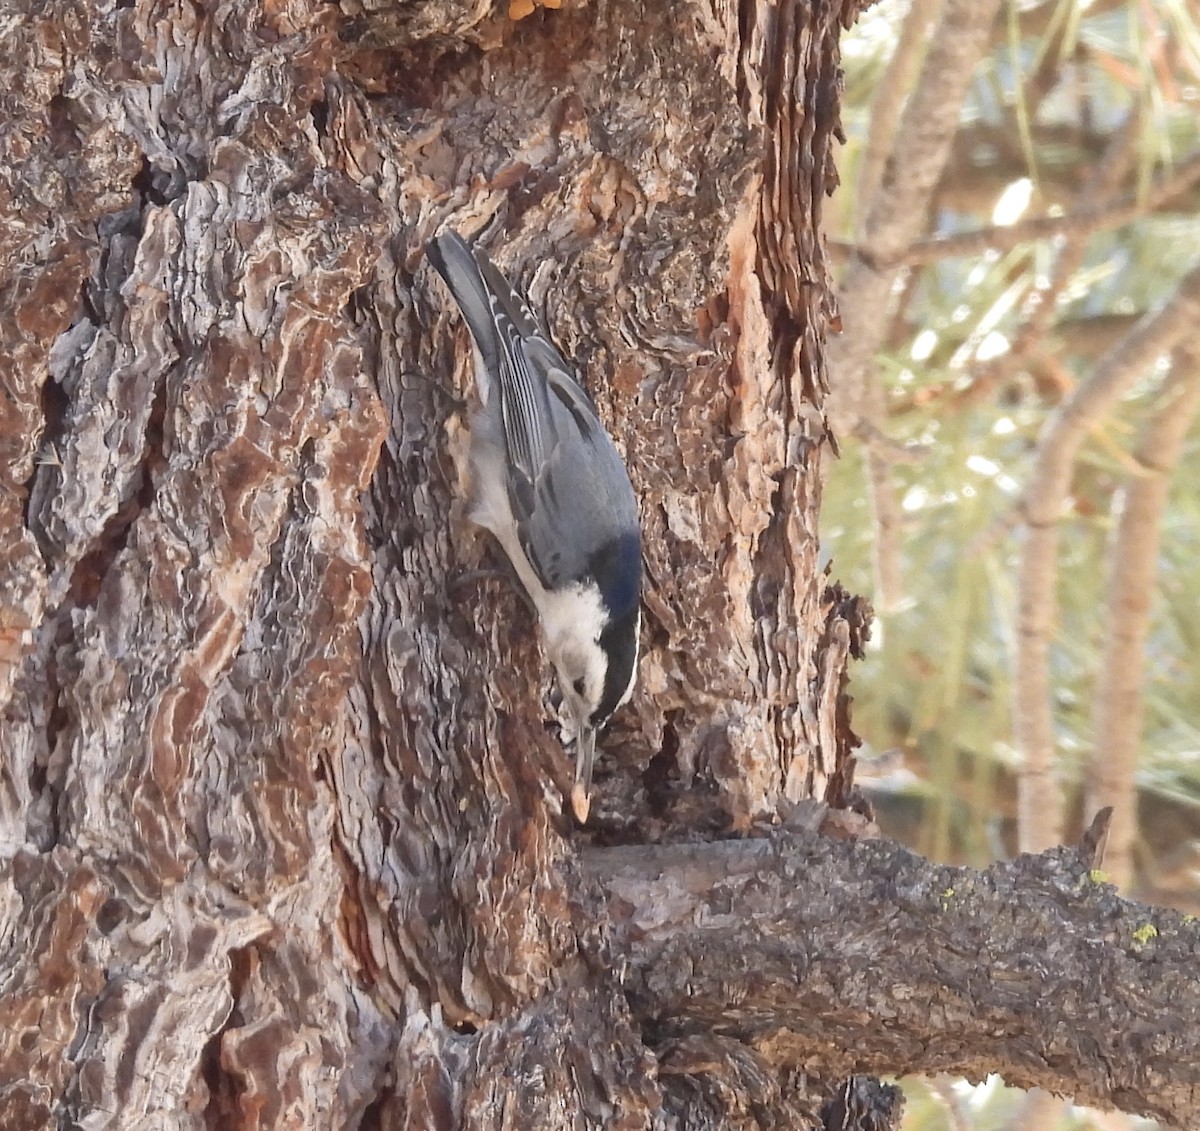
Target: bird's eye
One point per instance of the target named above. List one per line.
(578, 686)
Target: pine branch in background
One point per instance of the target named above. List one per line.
(1133, 578)
(1040, 307)
(885, 510)
(897, 214)
(895, 217)
(888, 101)
(988, 327)
(1040, 804)
(1080, 224)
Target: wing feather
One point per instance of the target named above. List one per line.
(567, 485)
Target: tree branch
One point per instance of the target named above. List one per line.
(887, 103)
(898, 211)
(852, 956)
(1133, 573)
(1040, 306)
(1083, 222)
(896, 214)
(1042, 502)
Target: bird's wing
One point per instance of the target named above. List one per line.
(565, 478)
(581, 497)
(568, 488)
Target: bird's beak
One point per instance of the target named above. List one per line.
(585, 755)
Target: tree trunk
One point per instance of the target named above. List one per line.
(281, 816)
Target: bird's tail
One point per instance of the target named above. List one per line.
(452, 259)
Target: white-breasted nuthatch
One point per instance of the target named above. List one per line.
(549, 484)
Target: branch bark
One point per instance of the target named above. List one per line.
(787, 941)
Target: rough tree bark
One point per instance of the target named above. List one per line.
(281, 823)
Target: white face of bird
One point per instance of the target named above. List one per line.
(580, 668)
(572, 620)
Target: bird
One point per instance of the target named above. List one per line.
(549, 484)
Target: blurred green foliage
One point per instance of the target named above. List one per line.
(937, 683)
